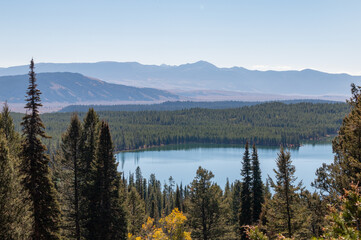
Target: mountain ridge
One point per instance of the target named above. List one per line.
(203, 75)
(166, 65)
(74, 88)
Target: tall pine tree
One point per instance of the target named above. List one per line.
(70, 149)
(108, 220)
(35, 167)
(206, 213)
(257, 187)
(136, 210)
(287, 214)
(245, 216)
(236, 202)
(88, 146)
(227, 202)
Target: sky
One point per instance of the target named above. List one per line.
(257, 34)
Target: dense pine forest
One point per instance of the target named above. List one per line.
(76, 192)
(266, 124)
(177, 105)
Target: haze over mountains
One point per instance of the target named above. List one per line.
(130, 82)
(188, 79)
(65, 87)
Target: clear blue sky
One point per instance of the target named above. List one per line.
(257, 34)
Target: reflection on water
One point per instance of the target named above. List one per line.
(192, 146)
(182, 161)
(122, 159)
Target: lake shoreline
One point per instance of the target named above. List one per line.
(324, 140)
(181, 162)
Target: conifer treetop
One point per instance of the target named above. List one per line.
(32, 122)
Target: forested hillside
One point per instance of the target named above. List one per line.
(87, 198)
(267, 124)
(76, 192)
(177, 105)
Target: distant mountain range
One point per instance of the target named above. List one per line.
(187, 78)
(65, 87)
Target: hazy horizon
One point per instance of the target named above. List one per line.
(177, 65)
(262, 35)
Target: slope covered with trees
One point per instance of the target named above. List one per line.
(79, 194)
(267, 124)
(177, 105)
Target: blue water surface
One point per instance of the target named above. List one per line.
(182, 161)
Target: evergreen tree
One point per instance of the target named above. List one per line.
(236, 202)
(335, 178)
(171, 194)
(7, 127)
(178, 199)
(230, 226)
(61, 178)
(6, 178)
(89, 140)
(108, 220)
(263, 221)
(131, 180)
(153, 211)
(345, 222)
(88, 146)
(257, 187)
(15, 222)
(317, 208)
(136, 212)
(12, 137)
(14, 205)
(185, 199)
(165, 201)
(287, 214)
(155, 196)
(70, 148)
(35, 167)
(205, 210)
(139, 181)
(145, 189)
(245, 215)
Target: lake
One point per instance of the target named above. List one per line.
(182, 161)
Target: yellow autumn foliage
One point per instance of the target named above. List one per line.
(171, 227)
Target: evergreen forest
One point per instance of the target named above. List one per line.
(178, 105)
(68, 186)
(270, 124)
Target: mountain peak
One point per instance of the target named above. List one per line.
(200, 64)
(203, 64)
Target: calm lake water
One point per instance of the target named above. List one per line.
(182, 161)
